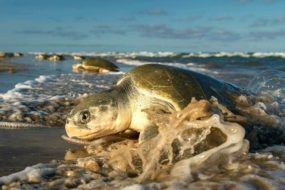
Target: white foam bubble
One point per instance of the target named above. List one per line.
(43, 78)
(11, 94)
(234, 54)
(269, 54)
(31, 174)
(56, 97)
(217, 54)
(139, 62)
(23, 85)
(151, 54)
(134, 62)
(191, 66)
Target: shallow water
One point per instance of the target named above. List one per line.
(44, 92)
(24, 147)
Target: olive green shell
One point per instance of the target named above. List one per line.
(178, 86)
(100, 63)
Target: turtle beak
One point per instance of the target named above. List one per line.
(75, 131)
(87, 134)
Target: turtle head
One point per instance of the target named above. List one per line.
(97, 116)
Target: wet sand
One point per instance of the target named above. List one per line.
(20, 148)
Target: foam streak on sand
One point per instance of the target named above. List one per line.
(16, 125)
(31, 174)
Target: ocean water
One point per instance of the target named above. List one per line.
(237, 68)
(37, 91)
(43, 92)
(247, 70)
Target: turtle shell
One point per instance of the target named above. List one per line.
(178, 86)
(98, 62)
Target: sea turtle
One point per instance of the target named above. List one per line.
(96, 64)
(6, 54)
(78, 57)
(55, 57)
(41, 56)
(18, 54)
(146, 86)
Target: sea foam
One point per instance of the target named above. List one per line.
(170, 54)
(49, 98)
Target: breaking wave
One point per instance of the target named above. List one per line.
(271, 82)
(176, 54)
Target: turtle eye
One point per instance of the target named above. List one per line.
(84, 117)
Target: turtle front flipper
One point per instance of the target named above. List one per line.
(148, 133)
